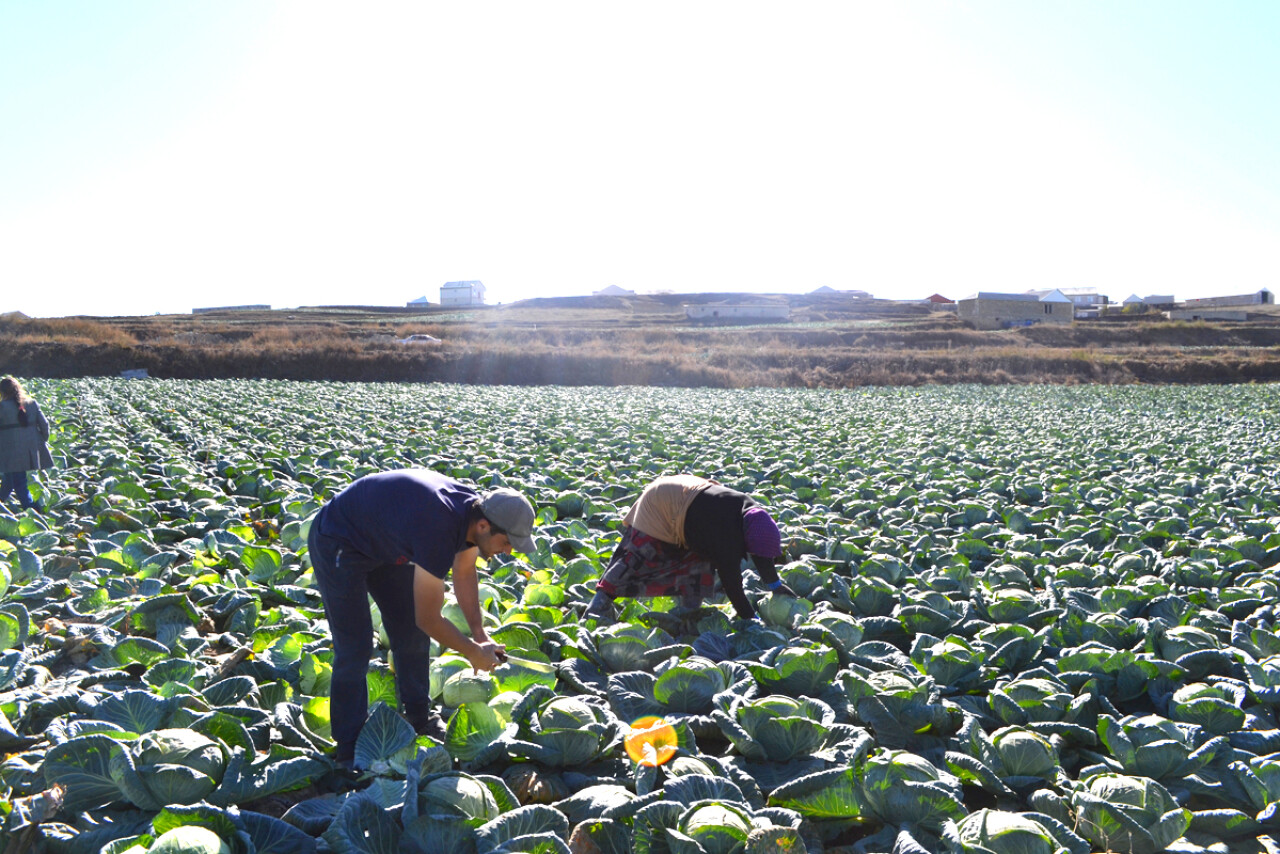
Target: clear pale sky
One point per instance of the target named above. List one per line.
(156, 155)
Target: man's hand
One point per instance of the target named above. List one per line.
(784, 590)
(486, 656)
(496, 648)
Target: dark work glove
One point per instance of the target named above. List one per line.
(784, 590)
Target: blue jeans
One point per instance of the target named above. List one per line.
(346, 579)
(15, 481)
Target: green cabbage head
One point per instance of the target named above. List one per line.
(1155, 747)
(458, 795)
(903, 788)
(845, 630)
(181, 747)
(688, 686)
(999, 832)
(777, 728)
(798, 670)
(624, 646)
(1213, 708)
(170, 766)
(566, 713)
(1024, 701)
(951, 661)
(683, 766)
(467, 686)
(784, 611)
(716, 828)
(504, 703)
(442, 668)
(1025, 754)
(561, 732)
(1135, 814)
(1183, 640)
(1012, 605)
(187, 839)
(894, 767)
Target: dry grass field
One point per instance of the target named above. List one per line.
(828, 342)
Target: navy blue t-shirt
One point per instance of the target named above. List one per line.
(398, 517)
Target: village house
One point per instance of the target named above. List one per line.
(613, 291)
(462, 293)
(828, 291)
(1080, 297)
(214, 308)
(739, 311)
(990, 310)
(1262, 297)
(1155, 302)
(1215, 315)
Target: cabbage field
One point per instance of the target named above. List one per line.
(1032, 619)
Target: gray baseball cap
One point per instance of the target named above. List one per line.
(513, 513)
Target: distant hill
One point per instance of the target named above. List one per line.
(830, 341)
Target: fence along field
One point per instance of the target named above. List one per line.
(1028, 613)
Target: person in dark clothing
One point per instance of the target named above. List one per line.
(682, 534)
(396, 536)
(24, 433)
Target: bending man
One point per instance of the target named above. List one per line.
(683, 532)
(395, 536)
